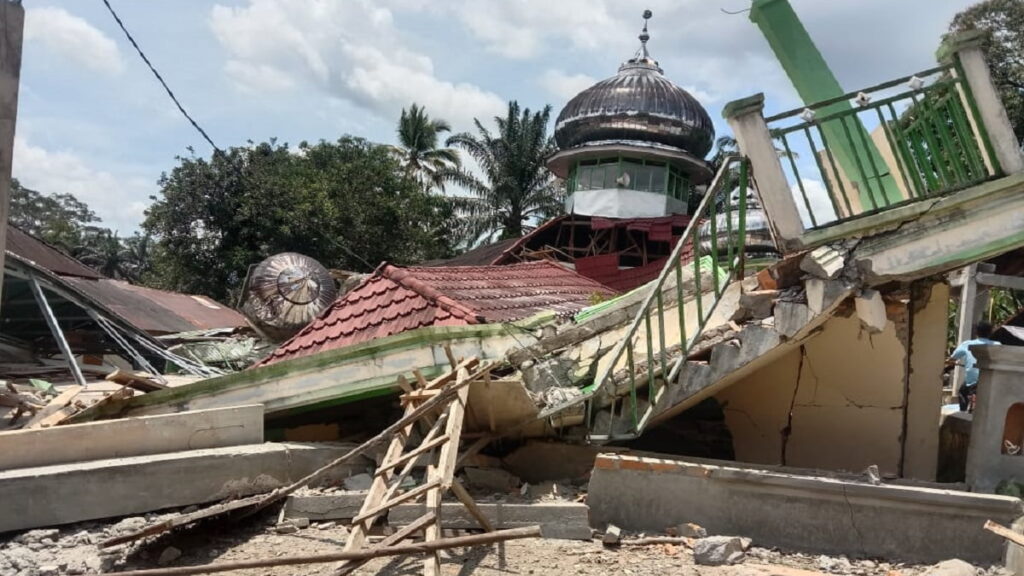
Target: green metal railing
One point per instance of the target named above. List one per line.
(911, 138)
(672, 314)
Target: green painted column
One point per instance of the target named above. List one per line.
(848, 140)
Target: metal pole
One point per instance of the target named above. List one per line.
(58, 334)
(12, 23)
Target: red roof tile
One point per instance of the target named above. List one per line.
(395, 300)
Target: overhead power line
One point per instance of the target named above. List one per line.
(159, 77)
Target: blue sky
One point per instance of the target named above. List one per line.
(93, 121)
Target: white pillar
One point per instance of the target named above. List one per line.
(755, 142)
(965, 48)
(12, 21)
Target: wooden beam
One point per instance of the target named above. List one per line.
(460, 492)
(1005, 532)
(414, 493)
(403, 533)
(364, 554)
(424, 447)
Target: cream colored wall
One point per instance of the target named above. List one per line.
(846, 390)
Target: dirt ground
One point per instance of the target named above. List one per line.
(72, 550)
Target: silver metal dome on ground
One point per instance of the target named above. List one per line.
(637, 104)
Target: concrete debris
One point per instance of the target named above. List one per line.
(170, 554)
(823, 262)
(718, 550)
(791, 317)
(286, 528)
(840, 565)
(872, 475)
(871, 310)
(494, 479)
(951, 568)
(612, 535)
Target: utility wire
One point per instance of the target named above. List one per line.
(159, 77)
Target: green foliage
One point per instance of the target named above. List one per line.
(57, 219)
(1003, 23)
(349, 204)
(418, 150)
(514, 189)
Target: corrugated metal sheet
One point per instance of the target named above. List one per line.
(480, 256)
(396, 300)
(45, 256)
(157, 311)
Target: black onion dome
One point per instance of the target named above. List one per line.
(637, 104)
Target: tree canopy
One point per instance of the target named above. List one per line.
(514, 188)
(349, 204)
(1003, 23)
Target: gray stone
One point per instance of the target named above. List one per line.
(337, 506)
(170, 554)
(358, 482)
(718, 550)
(300, 523)
(37, 535)
(49, 570)
(612, 535)
(951, 568)
(286, 528)
(494, 479)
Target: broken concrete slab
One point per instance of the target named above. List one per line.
(791, 317)
(612, 535)
(823, 262)
(951, 568)
(317, 507)
(871, 310)
(557, 520)
(821, 294)
(234, 426)
(779, 508)
(66, 493)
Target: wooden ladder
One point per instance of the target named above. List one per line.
(442, 432)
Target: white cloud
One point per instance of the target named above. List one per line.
(70, 37)
(351, 50)
(119, 201)
(817, 197)
(565, 85)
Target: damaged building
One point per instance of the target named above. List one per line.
(796, 334)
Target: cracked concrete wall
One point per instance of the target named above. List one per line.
(930, 307)
(837, 402)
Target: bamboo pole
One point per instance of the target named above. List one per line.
(356, 555)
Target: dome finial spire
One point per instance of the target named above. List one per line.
(644, 37)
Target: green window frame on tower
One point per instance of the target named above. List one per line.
(644, 175)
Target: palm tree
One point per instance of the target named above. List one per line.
(102, 250)
(514, 188)
(417, 150)
(138, 256)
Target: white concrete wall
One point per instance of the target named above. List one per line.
(216, 428)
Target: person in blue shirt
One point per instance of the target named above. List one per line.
(962, 355)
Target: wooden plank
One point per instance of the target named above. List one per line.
(404, 384)
(135, 380)
(453, 429)
(460, 492)
(451, 357)
(419, 378)
(1005, 532)
(63, 399)
(423, 448)
(366, 554)
(432, 531)
(419, 395)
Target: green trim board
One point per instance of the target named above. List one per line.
(847, 138)
(376, 350)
